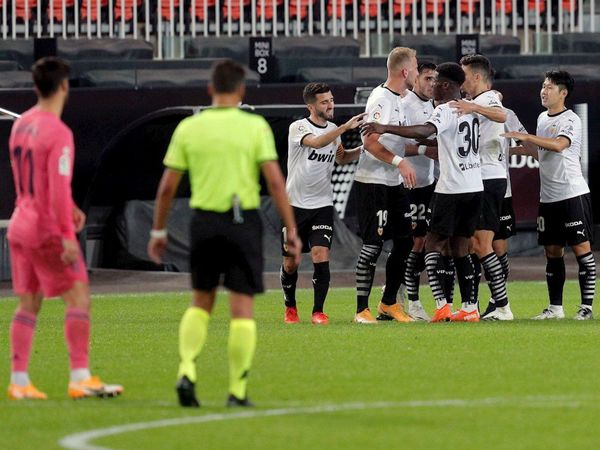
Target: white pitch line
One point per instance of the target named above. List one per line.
(81, 441)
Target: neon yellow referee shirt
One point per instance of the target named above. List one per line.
(222, 149)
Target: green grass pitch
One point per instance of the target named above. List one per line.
(520, 385)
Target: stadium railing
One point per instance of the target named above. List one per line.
(169, 23)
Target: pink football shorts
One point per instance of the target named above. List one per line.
(41, 269)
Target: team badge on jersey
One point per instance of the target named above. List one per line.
(380, 231)
(64, 162)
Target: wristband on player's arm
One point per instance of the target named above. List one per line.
(396, 160)
(158, 234)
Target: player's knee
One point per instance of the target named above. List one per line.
(289, 265)
(319, 254)
(554, 251)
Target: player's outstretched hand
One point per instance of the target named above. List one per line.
(354, 121)
(70, 252)
(294, 245)
(408, 174)
(371, 128)
(78, 219)
(514, 135)
(462, 106)
(157, 248)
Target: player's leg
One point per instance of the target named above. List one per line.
(243, 278)
(288, 273)
(399, 229)
(241, 347)
(415, 263)
(470, 207)
(208, 252)
(321, 278)
(77, 336)
(319, 239)
(434, 244)
(449, 273)
(551, 234)
(22, 328)
(193, 330)
(578, 237)
(372, 219)
(488, 226)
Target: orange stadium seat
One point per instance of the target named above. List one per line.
(465, 7)
(268, 8)
(301, 11)
(531, 5)
(57, 9)
(22, 12)
(128, 8)
(210, 4)
(339, 6)
(432, 8)
(93, 6)
(507, 6)
(235, 8)
(165, 9)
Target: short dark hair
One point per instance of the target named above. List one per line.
(48, 73)
(227, 76)
(425, 65)
(562, 79)
(451, 72)
(309, 94)
(478, 63)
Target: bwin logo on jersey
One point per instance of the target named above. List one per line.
(573, 224)
(314, 156)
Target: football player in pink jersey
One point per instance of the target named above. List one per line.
(45, 255)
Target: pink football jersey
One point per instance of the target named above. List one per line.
(41, 154)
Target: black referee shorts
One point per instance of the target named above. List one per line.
(220, 247)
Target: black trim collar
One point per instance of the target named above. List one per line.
(393, 92)
(423, 99)
(316, 125)
(558, 114)
(483, 92)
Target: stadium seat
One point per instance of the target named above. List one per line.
(15, 79)
(23, 12)
(234, 47)
(57, 9)
(236, 8)
(105, 48)
(466, 6)
(498, 44)
(125, 8)
(199, 10)
(300, 8)
(316, 46)
(90, 7)
(269, 8)
(576, 42)
(507, 6)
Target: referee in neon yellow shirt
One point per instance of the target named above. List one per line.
(224, 150)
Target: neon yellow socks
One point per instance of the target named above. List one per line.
(241, 347)
(192, 336)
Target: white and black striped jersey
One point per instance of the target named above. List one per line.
(383, 106)
(561, 176)
(512, 124)
(491, 144)
(417, 111)
(309, 169)
(458, 140)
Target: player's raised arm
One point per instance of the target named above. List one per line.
(412, 131)
(321, 141)
(557, 144)
(494, 113)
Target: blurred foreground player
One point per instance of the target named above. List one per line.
(224, 150)
(46, 258)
